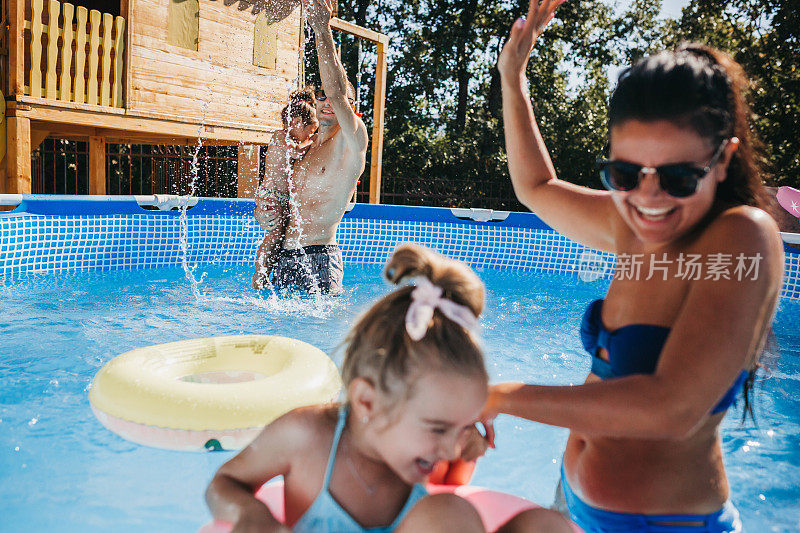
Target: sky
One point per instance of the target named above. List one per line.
(672, 8)
(669, 8)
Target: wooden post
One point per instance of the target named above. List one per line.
(18, 155)
(97, 165)
(127, 10)
(16, 46)
(377, 124)
(248, 170)
(382, 42)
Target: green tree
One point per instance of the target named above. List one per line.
(444, 140)
(764, 36)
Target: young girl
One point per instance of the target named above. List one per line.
(415, 382)
(272, 196)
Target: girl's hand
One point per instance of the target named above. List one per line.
(491, 410)
(474, 445)
(517, 50)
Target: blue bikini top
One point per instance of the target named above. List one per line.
(325, 515)
(633, 349)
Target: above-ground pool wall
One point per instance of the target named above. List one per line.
(113, 232)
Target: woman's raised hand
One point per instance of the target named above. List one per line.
(517, 50)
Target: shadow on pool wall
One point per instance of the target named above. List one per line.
(46, 234)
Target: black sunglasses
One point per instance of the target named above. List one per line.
(322, 97)
(677, 179)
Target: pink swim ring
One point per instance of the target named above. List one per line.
(789, 198)
(495, 508)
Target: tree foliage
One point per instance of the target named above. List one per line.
(444, 139)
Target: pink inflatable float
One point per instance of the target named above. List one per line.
(495, 508)
(789, 198)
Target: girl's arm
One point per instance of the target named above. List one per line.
(231, 494)
(722, 323)
(585, 215)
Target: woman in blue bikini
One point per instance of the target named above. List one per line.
(699, 270)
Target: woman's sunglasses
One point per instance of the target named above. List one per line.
(677, 179)
(322, 97)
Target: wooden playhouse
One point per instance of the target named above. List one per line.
(152, 72)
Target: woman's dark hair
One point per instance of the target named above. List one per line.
(702, 88)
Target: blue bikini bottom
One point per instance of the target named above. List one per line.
(593, 520)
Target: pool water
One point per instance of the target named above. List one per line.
(62, 471)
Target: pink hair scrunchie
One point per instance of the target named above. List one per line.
(427, 297)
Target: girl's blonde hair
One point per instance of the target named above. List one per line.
(379, 349)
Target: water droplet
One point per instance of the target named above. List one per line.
(32, 421)
(762, 497)
(16, 448)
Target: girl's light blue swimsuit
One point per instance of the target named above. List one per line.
(635, 349)
(325, 515)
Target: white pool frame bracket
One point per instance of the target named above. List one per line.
(790, 238)
(166, 202)
(10, 199)
(479, 215)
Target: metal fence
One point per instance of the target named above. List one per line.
(438, 192)
(60, 166)
(169, 169)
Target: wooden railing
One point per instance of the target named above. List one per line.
(80, 62)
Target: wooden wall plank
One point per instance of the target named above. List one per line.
(128, 12)
(141, 125)
(220, 74)
(65, 92)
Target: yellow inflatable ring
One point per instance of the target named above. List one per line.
(214, 393)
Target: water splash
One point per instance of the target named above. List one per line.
(194, 172)
(294, 202)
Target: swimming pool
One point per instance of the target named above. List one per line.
(87, 287)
